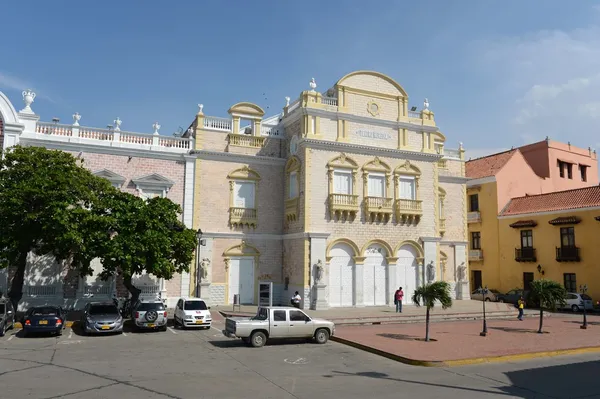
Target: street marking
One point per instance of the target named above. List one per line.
(70, 342)
(298, 361)
(124, 334)
(173, 331)
(11, 337)
(70, 334)
(214, 328)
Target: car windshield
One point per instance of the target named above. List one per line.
(103, 309)
(44, 312)
(262, 314)
(151, 306)
(194, 305)
(586, 297)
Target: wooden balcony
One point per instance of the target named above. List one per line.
(475, 255)
(246, 140)
(291, 209)
(243, 217)
(343, 206)
(474, 217)
(409, 211)
(379, 208)
(567, 254)
(525, 255)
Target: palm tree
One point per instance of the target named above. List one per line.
(548, 294)
(428, 294)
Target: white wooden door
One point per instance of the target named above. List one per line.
(342, 182)
(381, 294)
(246, 281)
(407, 187)
(376, 186)
(374, 277)
(341, 276)
(407, 271)
(369, 281)
(244, 195)
(234, 278)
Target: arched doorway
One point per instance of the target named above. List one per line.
(341, 275)
(407, 270)
(374, 275)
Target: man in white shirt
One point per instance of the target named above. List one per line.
(296, 300)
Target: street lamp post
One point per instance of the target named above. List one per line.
(199, 237)
(583, 289)
(484, 332)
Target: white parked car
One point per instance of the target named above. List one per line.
(576, 302)
(192, 312)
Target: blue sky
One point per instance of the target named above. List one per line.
(496, 73)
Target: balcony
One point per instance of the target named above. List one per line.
(343, 206)
(474, 217)
(567, 254)
(525, 255)
(442, 225)
(291, 209)
(379, 208)
(475, 255)
(245, 140)
(243, 217)
(408, 210)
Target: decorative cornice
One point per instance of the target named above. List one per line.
(430, 239)
(368, 150)
(237, 158)
(452, 179)
(562, 211)
(99, 149)
(259, 236)
(369, 121)
(455, 243)
(483, 180)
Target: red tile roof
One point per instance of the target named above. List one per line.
(487, 166)
(556, 201)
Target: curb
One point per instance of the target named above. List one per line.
(67, 324)
(470, 361)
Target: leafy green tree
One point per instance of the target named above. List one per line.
(428, 295)
(44, 198)
(548, 294)
(145, 237)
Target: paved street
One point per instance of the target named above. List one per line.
(203, 364)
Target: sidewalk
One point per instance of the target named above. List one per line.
(459, 343)
(460, 310)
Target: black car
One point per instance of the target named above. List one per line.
(7, 316)
(44, 319)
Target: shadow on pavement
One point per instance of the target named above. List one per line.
(517, 330)
(236, 343)
(403, 337)
(590, 323)
(384, 376)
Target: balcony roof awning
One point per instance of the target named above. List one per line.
(523, 223)
(565, 220)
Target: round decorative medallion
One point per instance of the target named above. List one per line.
(294, 145)
(373, 108)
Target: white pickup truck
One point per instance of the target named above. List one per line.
(278, 323)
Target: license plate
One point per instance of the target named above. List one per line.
(105, 327)
(43, 322)
(150, 325)
(198, 321)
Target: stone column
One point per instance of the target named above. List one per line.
(358, 281)
(392, 284)
(318, 249)
(462, 271)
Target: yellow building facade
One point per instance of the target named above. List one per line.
(344, 196)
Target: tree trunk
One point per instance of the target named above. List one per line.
(541, 320)
(134, 291)
(427, 325)
(16, 286)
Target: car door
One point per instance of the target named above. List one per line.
(178, 310)
(300, 324)
(280, 324)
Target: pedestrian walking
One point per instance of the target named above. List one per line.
(520, 306)
(398, 296)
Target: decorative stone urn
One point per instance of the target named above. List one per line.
(76, 119)
(28, 98)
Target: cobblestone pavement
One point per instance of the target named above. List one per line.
(203, 364)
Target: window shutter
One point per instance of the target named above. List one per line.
(244, 195)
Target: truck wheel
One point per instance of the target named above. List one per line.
(258, 339)
(321, 336)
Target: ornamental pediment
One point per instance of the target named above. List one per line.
(109, 175)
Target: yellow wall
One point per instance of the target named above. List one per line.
(488, 227)
(546, 238)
